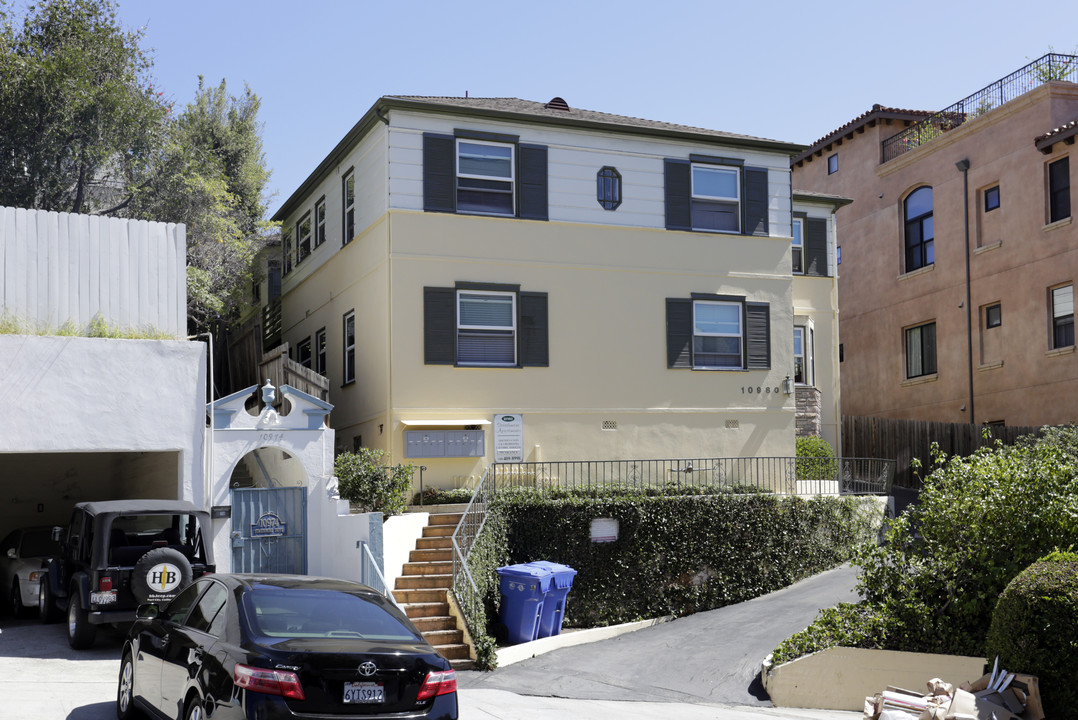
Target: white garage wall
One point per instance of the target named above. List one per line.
(92, 395)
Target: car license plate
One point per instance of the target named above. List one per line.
(103, 598)
(364, 692)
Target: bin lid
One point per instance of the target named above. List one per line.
(527, 572)
(563, 574)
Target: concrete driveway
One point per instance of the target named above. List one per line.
(710, 657)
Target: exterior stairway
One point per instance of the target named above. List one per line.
(421, 589)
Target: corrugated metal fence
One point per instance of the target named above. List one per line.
(904, 440)
(57, 268)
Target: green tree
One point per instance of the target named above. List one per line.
(78, 110)
(210, 174)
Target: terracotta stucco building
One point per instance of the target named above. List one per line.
(958, 256)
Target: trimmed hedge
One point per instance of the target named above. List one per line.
(1033, 629)
(680, 555)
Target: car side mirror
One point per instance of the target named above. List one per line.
(11, 552)
(57, 533)
(148, 611)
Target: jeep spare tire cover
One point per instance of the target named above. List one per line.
(160, 575)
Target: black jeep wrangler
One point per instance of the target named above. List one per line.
(119, 554)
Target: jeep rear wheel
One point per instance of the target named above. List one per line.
(80, 633)
(46, 601)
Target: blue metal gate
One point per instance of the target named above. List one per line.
(269, 530)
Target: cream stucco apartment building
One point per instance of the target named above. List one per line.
(959, 254)
(495, 278)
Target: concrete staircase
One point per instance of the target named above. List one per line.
(421, 589)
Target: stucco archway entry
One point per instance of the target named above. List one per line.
(258, 455)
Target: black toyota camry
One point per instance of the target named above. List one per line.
(281, 646)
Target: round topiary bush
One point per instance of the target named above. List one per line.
(1033, 629)
(815, 459)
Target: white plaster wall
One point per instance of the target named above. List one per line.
(399, 535)
(75, 394)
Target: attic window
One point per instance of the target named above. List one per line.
(557, 104)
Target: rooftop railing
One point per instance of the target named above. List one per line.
(1052, 66)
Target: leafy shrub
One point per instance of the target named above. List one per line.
(846, 625)
(438, 496)
(1033, 629)
(979, 521)
(815, 459)
(679, 555)
(489, 553)
(365, 479)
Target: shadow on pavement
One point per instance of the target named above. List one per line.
(28, 638)
(96, 711)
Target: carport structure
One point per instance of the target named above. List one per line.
(94, 418)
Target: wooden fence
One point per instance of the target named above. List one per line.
(904, 440)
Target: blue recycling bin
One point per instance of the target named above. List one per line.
(524, 588)
(553, 613)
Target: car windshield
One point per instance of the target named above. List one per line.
(38, 543)
(312, 613)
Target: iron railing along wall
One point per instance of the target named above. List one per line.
(779, 475)
(464, 537)
(1052, 66)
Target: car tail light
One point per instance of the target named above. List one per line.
(105, 583)
(438, 683)
(271, 682)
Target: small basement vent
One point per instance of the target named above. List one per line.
(732, 424)
(557, 104)
(610, 424)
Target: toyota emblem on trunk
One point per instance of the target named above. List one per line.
(367, 669)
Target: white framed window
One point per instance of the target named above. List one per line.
(486, 328)
(1063, 316)
(319, 222)
(485, 177)
(717, 334)
(303, 353)
(799, 246)
(320, 351)
(303, 237)
(349, 345)
(803, 342)
(716, 198)
(348, 192)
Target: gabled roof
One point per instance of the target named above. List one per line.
(877, 114)
(555, 112)
(1064, 133)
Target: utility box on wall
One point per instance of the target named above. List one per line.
(444, 443)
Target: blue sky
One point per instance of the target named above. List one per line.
(791, 71)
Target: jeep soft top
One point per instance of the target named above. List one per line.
(118, 554)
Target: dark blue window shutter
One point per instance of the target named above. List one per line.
(439, 326)
(533, 338)
(816, 247)
(678, 184)
(439, 173)
(532, 175)
(678, 333)
(757, 336)
(755, 202)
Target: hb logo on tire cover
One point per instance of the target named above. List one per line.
(163, 577)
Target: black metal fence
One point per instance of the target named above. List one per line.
(781, 475)
(1052, 66)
